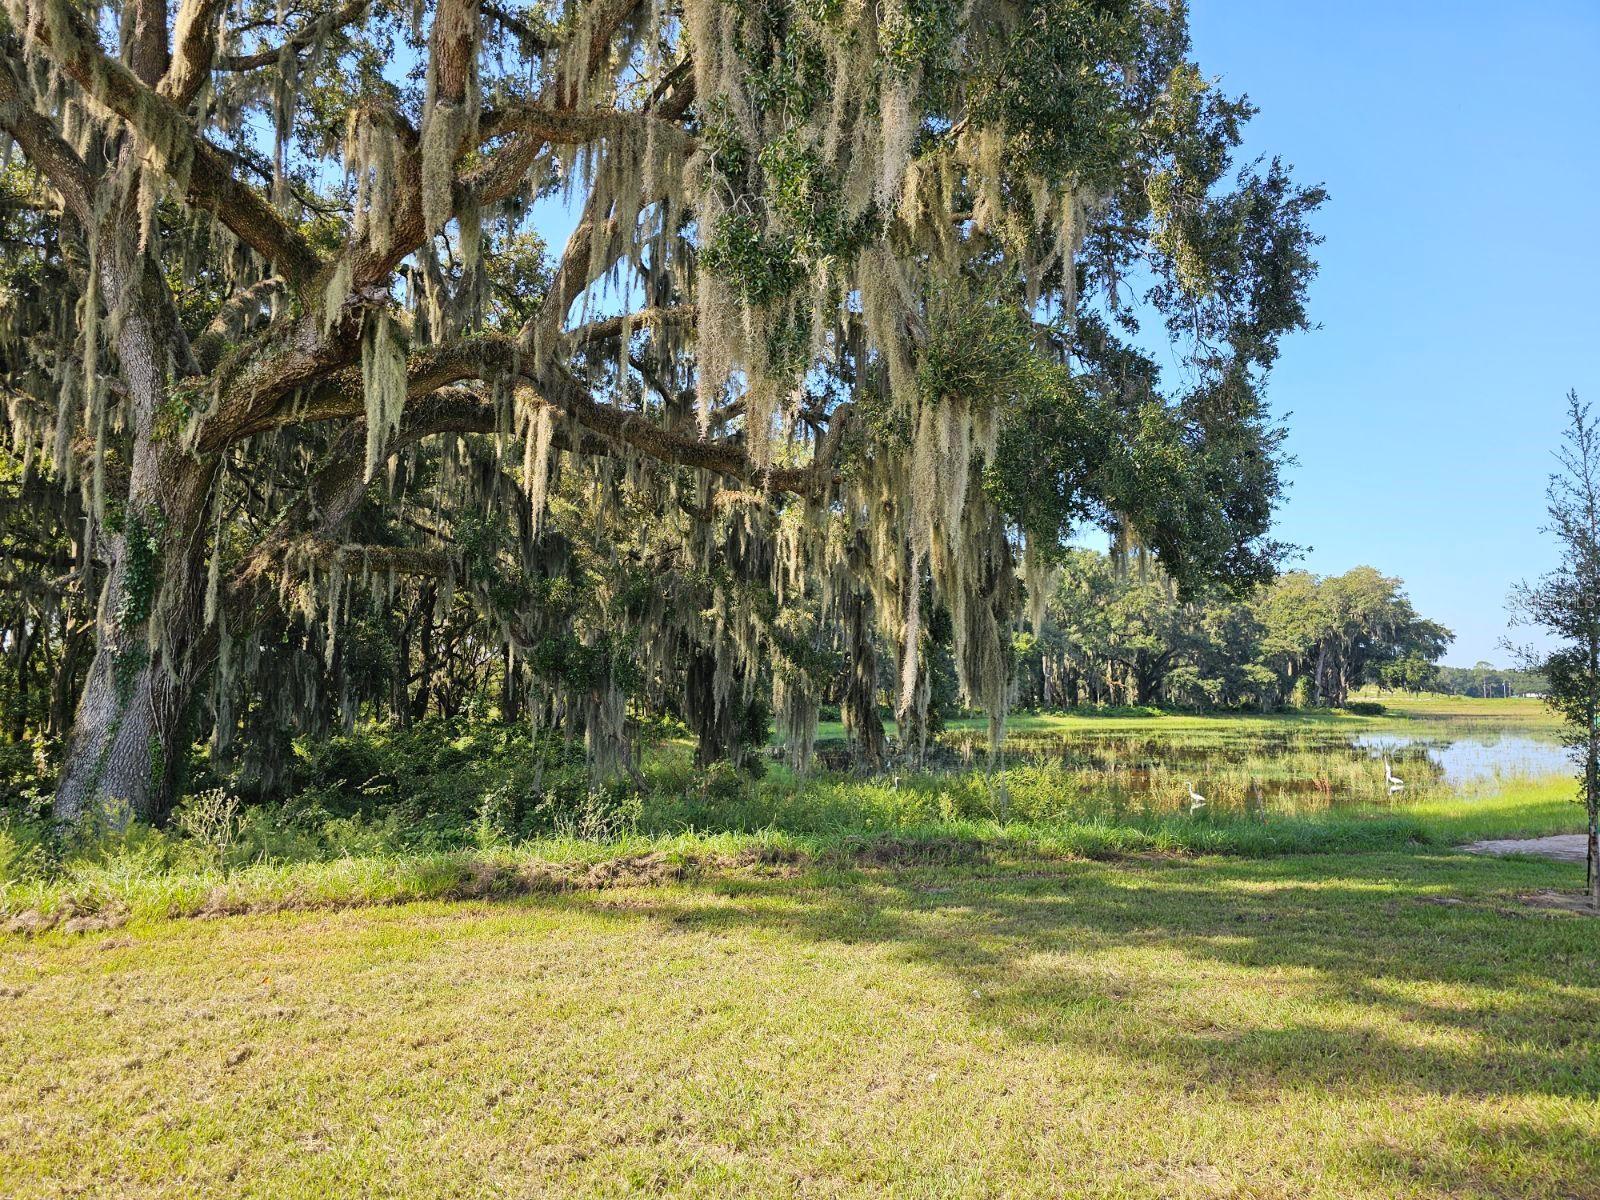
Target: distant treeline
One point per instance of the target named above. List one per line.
(1486, 680)
(1116, 630)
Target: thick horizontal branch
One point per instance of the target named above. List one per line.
(491, 356)
(186, 157)
(611, 328)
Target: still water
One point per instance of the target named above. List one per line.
(1291, 767)
(1463, 761)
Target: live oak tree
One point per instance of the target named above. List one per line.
(820, 323)
(1117, 629)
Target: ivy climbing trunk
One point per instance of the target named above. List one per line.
(127, 733)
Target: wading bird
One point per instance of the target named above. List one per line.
(1196, 800)
(1394, 781)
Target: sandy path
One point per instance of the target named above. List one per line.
(1563, 847)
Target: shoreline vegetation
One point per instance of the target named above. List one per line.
(703, 826)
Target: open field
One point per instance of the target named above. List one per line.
(1460, 713)
(831, 987)
(1389, 1024)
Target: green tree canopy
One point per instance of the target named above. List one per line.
(671, 349)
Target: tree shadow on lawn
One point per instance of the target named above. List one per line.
(1332, 972)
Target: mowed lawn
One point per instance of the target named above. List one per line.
(1392, 1024)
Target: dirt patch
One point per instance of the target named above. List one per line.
(1572, 902)
(1520, 905)
(486, 880)
(1563, 847)
(637, 870)
(69, 918)
(479, 881)
(892, 851)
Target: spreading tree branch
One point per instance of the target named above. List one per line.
(202, 170)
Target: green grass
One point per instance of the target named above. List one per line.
(828, 987)
(1417, 713)
(1459, 712)
(831, 821)
(1380, 1025)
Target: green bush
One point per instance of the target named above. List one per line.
(28, 850)
(27, 780)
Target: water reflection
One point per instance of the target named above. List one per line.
(1250, 767)
(1465, 761)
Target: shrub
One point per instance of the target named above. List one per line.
(27, 779)
(210, 820)
(28, 850)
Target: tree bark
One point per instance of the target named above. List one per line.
(23, 641)
(1591, 781)
(126, 735)
(860, 702)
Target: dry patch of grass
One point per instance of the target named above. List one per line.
(454, 877)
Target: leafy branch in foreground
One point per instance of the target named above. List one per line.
(1565, 603)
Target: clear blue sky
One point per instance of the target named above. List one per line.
(1459, 283)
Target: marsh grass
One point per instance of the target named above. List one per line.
(1117, 787)
(148, 876)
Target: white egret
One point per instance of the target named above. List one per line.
(1196, 800)
(1394, 781)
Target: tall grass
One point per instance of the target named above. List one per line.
(1270, 788)
(826, 824)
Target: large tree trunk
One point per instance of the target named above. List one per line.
(127, 736)
(127, 733)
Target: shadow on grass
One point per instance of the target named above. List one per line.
(1330, 973)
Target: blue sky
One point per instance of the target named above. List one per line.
(1458, 294)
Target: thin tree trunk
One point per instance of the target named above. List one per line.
(860, 704)
(24, 651)
(1592, 802)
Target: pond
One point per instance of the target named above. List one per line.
(1249, 764)
(1462, 762)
